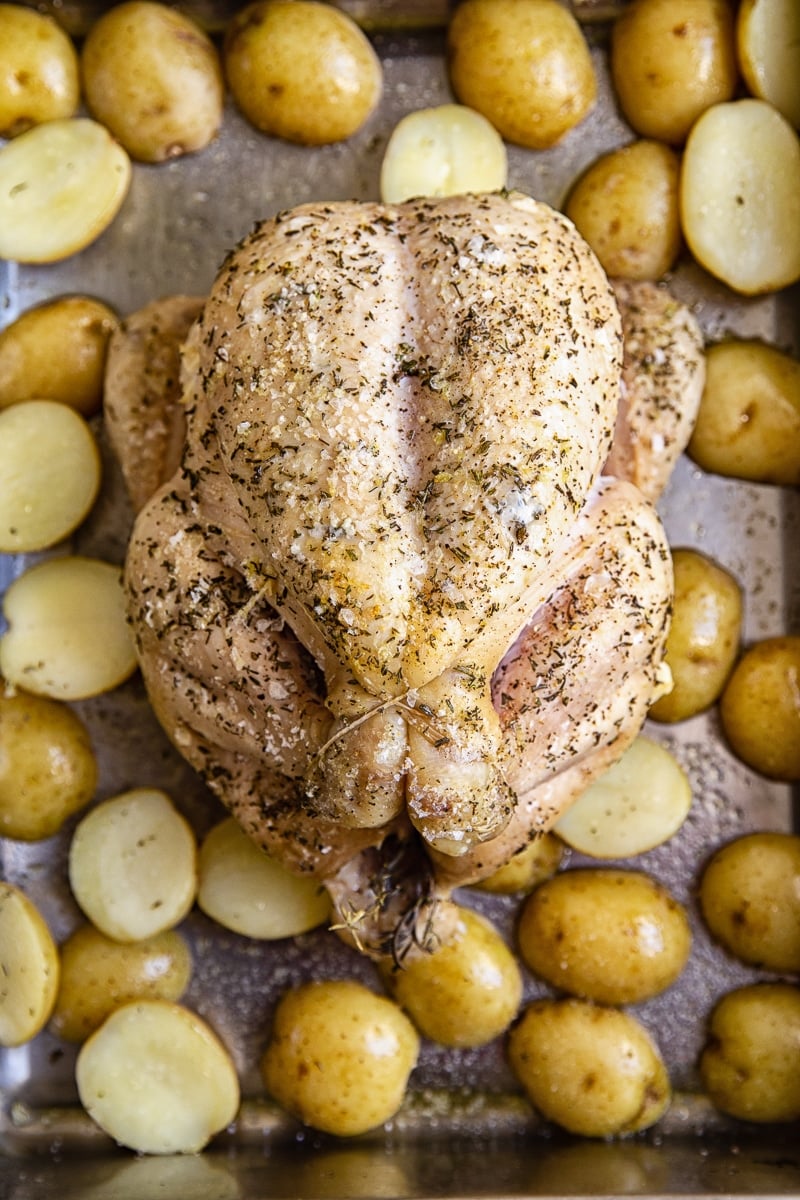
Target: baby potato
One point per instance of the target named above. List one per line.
(768, 44)
(670, 61)
(153, 77)
(626, 207)
(529, 867)
(157, 1079)
(28, 968)
(301, 70)
(67, 637)
(49, 474)
(39, 77)
(750, 1066)
(339, 1057)
(737, 155)
(133, 865)
(99, 975)
(703, 639)
(592, 1070)
(637, 804)
(48, 770)
(748, 424)
(750, 899)
(442, 151)
(57, 351)
(245, 890)
(465, 991)
(614, 936)
(760, 708)
(525, 65)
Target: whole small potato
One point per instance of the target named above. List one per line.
(760, 708)
(529, 867)
(626, 207)
(614, 936)
(524, 64)
(748, 425)
(703, 640)
(670, 61)
(750, 899)
(48, 770)
(750, 1066)
(301, 70)
(153, 77)
(39, 75)
(593, 1070)
(339, 1056)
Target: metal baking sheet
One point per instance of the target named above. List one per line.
(177, 223)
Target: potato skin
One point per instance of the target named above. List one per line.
(670, 61)
(749, 899)
(748, 425)
(39, 75)
(613, 936)
(525, 870)
(593, 1070)
(524, 64)
(760, 708)
(703, 640)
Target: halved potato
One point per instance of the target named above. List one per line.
(444, 151)
(28, 968)
(768, 42)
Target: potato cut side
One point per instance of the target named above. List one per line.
(245, 890)
(28, 968)
(740, 196)
(61, 185)
(67, 636)
(133, 865)
(768, 42)
(638, 804)
(444, 151)
(49, 474)
(157, 1079)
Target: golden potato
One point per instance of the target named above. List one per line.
(626, 207)
(48, 770)
(768, 43)
(57, 350)
(617, 937)
(464, 992)
(29, 968)
(593, 1070)
(99, 975)
(750, 1066)
(301, 70)
(443, 151)
(39, 76)
(154, 78)
(748, 425)
(750, 899)
(524, 64)
(670, 61)
(703, 640)
(339, 1056)
(529, 867)
(760, 708)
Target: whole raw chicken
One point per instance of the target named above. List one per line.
(388, 604)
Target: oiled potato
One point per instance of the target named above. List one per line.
(99, 975)
(529, 867)
(443, 151)
(524, 64)
(738, 155)
(57, 350)
(750, 899)
(39, 77)
(748, 425)
(339, 1056)
(28, 968)
(464, 992)
(760, 708)
(301, 70)
(157, 1079)
(703, 640)
(48, 770)
(750, 1066)
(768, 43)
(153, 77)
(617, 937)
(626, 207)
(593, 1070)
(670, 61)
(133, 865)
